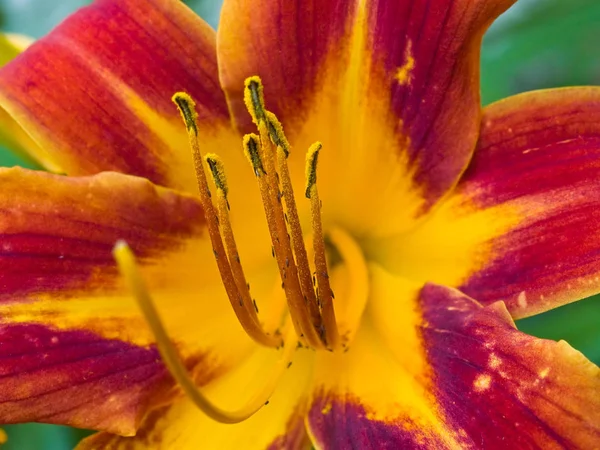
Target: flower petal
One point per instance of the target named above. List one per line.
(445, 372)
(523, 224)
(95, 94)
(493, 381)
(380, 84)
(425, 58)
(539, 154)
(76, 378)
(277, 426)
(58, 279)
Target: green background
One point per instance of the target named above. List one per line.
(537, 44)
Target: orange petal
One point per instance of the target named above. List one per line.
(95, 94)
(277, 426)
(75, 349)
(380, 84)
(523, 223)
(437, 370)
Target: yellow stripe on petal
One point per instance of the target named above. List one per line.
(384, 379)
(451, 245)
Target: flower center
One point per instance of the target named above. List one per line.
(311, 321)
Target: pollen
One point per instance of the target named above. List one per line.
(276, 133)
(404, 72)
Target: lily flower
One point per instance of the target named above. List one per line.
(328, 237)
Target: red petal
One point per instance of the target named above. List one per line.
(96, 92)
(539, 154)
(499, 386)
(76, 378)
(426, 61)
(523, 225)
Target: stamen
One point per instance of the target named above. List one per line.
(281, 243)
(129, 269)
(248, 321)
(218, 171)
(278, 138)
(254, 99)
(324, 289)
(311, 313)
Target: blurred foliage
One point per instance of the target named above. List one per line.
(541, 44)
(537, 44)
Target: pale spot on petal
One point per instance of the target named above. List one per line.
(482, 382)
(494, 361)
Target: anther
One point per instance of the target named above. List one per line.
(276, 133)
(312, 158)
(218, 172)
(187, 108)
(254, 98)
(251, 150)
